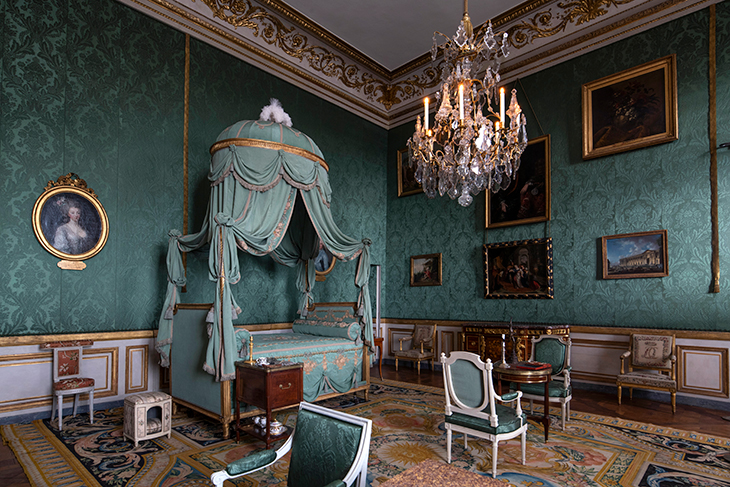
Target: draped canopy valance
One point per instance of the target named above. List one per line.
(270, 194)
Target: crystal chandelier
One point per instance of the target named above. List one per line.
(470, 147)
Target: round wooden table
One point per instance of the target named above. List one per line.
(510, 372)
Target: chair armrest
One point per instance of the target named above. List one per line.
(509, 396)
(673, 358)
(252, 461)
(626, 354)
(400, 341)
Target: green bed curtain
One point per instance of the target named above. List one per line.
(270, 195)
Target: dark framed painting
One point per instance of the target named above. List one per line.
(632, 109)
(630, 255)
(527, 198)
(407, 184)
(323, 263)
(521, 269)
(69, 221)
(426, 270)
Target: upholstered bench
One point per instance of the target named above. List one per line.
(138, 425)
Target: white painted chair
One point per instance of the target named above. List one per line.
(68, 379)
(471, 405)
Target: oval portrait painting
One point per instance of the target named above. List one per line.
(70, 223)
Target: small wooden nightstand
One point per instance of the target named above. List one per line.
(268, 388)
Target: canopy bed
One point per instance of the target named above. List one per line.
(270, 195)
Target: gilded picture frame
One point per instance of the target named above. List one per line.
(635, 255)
(527, 198)
(69, 221)
(426, 270)
(632, 109)
(324, 262)
(407, 184)
(521, 269)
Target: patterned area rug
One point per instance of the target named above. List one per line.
(407, 430)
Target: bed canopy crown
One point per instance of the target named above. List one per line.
(270, 195)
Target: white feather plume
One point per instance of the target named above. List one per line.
(275, 113)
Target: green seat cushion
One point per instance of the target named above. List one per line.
(555, 389)
(508, 421)
(252, 461)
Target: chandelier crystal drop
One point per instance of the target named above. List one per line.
(470, 147)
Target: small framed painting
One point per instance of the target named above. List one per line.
(642, 254)
(69, 221)
(527, 198)
(632, 109)
(521, 269)
(426, 270)
(407, 184)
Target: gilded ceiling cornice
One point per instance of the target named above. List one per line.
(296, 18)
(574, 13)
(267, 26)
(567, 47)
(208, 29)
(304, 52)
(270, 29)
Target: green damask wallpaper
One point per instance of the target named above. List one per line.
(96, 88)
(665, 186)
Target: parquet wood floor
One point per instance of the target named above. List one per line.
(702, 420)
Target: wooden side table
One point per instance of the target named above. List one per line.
(379, 343)
(526, 376)
(267, 388)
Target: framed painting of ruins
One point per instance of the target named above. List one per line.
(632, 109)
(519, 269)
(642, 254)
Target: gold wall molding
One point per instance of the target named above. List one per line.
(712, 132)
(706, 355)
(130, 376)
(14, 341)
(109, 355)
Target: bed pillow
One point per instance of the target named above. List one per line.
(335, 329)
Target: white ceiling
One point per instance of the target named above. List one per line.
(395, 32)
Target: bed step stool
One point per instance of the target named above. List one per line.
(137, 425)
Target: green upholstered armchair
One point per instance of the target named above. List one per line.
(422, 346)
(555, 351)
(471, 404)
(652, 364)
(328, 449)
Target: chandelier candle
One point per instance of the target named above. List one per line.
(470, 147)
(501, 106)
(425, 113)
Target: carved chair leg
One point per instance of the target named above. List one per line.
(396, 364)
(674, 402)
(619, 394)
